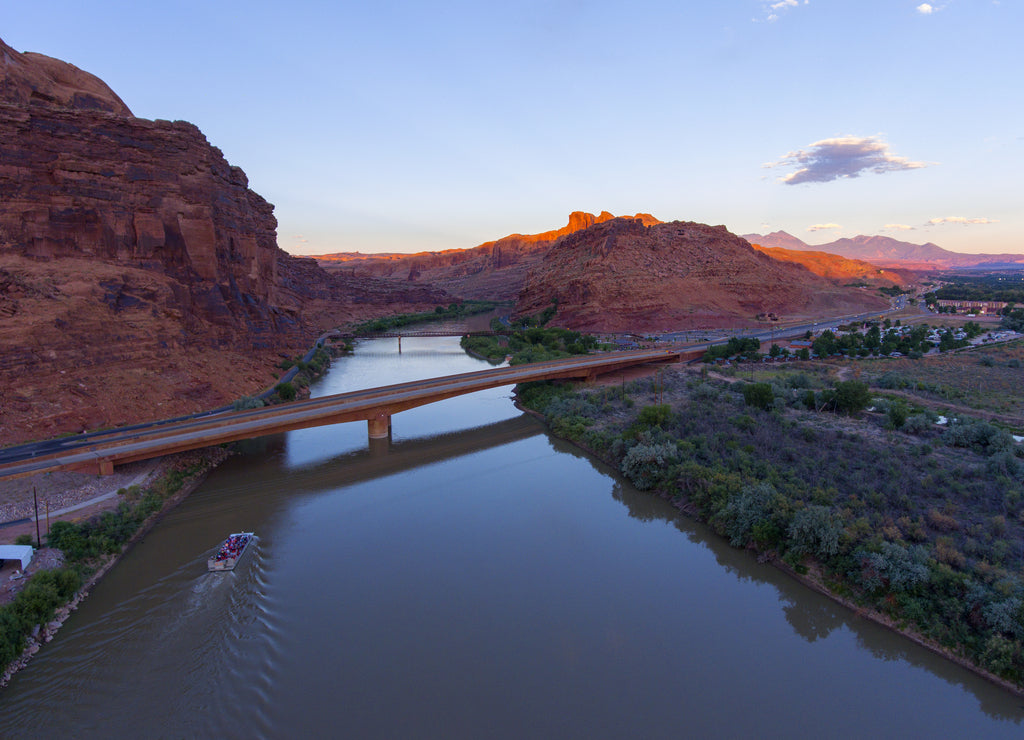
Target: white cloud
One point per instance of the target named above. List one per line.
(897, 227)
(960, 220)
(772, 9)
(842, 157)
(823, 227)
(925, 9)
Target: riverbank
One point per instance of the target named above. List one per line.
(722, 490)
(173, 477)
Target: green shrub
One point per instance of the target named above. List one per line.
(815, 530)
(247, 402)
(759, 395)
(24, 539)
(897, 414)
(657, 415)
(917, 424)
(286, 391)
(746, 510)
(848, 397)
(645, 465)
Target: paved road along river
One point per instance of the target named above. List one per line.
(478, 579)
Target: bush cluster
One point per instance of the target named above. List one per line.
(930, 534)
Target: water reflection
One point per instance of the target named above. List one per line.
(812, 616)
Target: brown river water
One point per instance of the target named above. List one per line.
(474, 577)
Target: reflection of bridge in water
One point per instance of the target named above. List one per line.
(383, 457)
(374, 405)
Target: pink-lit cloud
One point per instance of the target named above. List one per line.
(960, 220)
(823, 227)
(842, 157)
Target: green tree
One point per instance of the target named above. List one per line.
(645, 465)
(897, 414)
(815, 530)
(850, 396)
(759, 395)
(656, 415)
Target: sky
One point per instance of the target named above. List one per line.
(410, 126)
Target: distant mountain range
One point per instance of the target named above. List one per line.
(885, 251)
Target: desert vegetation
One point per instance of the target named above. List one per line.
(921, 522)
(528, 339)
(452, 311)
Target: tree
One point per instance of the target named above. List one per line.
(645, 465)
(815, 530)
(759, 395)
(850, 396)
(897, 414)
(748, 508)
(656, 415)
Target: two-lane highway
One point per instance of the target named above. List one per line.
(100, 453)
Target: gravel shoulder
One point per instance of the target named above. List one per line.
(60, 491)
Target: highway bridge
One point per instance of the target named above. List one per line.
(101, 453)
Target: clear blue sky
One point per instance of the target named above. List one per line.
(407, 126)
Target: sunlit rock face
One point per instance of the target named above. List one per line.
(626, 274)
(494, 270)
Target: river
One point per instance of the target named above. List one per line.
(473, 577)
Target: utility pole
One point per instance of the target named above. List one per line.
(35, 500)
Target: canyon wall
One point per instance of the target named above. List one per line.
(140, 276)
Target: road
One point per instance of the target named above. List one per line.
(100, 452)
(210, 425)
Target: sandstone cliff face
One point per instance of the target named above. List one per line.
(139, 275)
(623, 275)
(492, 271)
(29, 79)
(839, 269)
(152, 195)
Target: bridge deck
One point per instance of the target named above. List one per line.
(375, 405)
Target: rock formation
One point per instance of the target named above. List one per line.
(840, 269)
(625, 275)
(492, 271)
(140, 275)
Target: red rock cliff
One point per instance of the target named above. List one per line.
(628, 275)
(492, 271)
(139, 275)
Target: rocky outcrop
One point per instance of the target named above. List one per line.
(840, 269)
(140, 275)
(492, 271)
(36, 79)
(625, 275)
(152, 195)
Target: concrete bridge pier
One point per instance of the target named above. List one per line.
(379, 426)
